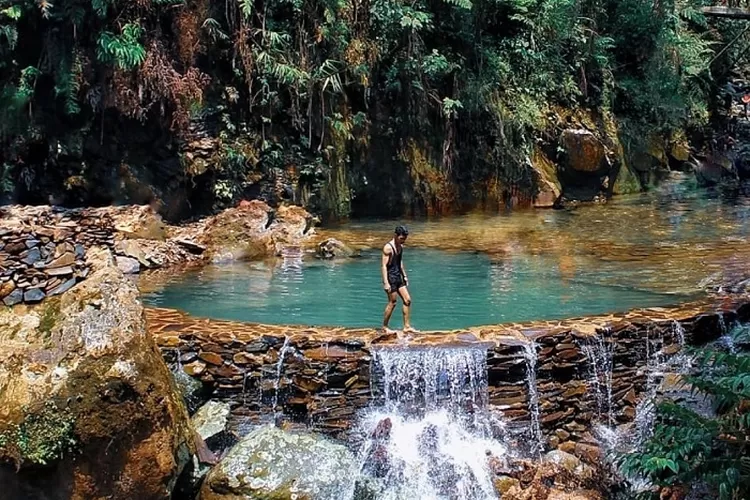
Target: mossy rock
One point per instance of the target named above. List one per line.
(272, 464)
(86, 398)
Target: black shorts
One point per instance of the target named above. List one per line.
(396, 282)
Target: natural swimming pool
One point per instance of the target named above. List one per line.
(449, 290)
(656, 249)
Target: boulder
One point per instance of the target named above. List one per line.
(134, 250)
(713, 169)
(332, 248)
(251, 230)
(584, 152)
(194, 393)
(138, 222)
(128, 265)
(565, 460)
(272, 463)
(85, 393)
(211, 421)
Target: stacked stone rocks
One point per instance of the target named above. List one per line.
(324, 377)
(44, 254)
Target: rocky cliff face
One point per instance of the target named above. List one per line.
(87, 408)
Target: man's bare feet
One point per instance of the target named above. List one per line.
(410, 329)
(389, 331)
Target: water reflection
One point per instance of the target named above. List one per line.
(659, 248)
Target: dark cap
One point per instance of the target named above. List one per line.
(401, 231)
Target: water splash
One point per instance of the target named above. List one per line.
(530, 357)
(432, 435)
(726, 339)
(598, 354)
(279, 367)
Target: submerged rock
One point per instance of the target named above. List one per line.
(332, 248)
(85, 393)
(272, 463)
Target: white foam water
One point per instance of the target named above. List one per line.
(431, 435)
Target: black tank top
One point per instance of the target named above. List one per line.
(394, 261)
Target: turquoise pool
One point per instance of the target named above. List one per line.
(449, 290)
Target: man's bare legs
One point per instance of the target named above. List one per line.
(389, 307)
(406, 298)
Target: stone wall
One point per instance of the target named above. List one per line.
(325, 375)
(43, 254)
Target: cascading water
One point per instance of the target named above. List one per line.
(279, 367)
(530, 357)
(726, 339)
(431, 434)
(598, 354)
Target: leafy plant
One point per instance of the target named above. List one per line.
(686, 447)
(123, 51)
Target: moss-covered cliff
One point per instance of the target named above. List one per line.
(345, 106)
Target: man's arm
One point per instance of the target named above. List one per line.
(384, 266)
(403, 271)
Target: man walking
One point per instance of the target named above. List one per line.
(394, 278)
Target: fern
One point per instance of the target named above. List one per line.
(68, 84)
(687, 447)
(101, 7)
(246, 8)
(123, 51)
(10, 34)
(461, 4)
(13, 12)
(213, 29)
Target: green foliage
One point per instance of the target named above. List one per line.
(686, 447)
(125, 50)
(318, 82)
(44, 436)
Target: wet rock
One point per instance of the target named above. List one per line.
(584, 151)
(85, 392)
(332, 248)
(589, 453)
(193, 392)
(565, 460)
(210, 422)
(270, 463)
(128, 265)
(713, 169)
(503, 484)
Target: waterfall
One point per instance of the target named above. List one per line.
(726, 339)
(598, 354)
(429, 433)
(279, 367)
(535, 430)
